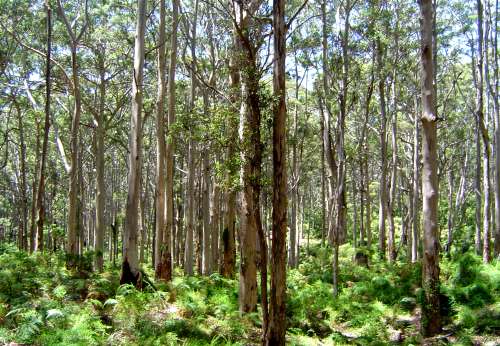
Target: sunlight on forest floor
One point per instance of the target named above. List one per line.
(41, 303)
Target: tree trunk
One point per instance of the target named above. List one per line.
(130, 264)
(206, 242)
(74, 216)
(228, 234)
(251, 154)
(483, 127)
(23, 225)
(415, 241)
(383, 198)
(100, 200)
(34, 187)
(190, 191)
(431, 319)
(215, 223)
(160, 144)
(493, 89)
(292, 254)
(449, 239)
(41, 173)
(166, 249)
(189, 245)
(277, 318)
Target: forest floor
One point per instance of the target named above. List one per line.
(42, 303)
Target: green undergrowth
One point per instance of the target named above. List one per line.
(42, 303)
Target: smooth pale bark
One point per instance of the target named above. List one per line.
(477, 190)
(325, 111)
(341, 207)
(277, 319)
(130, 263)
(251, 153)
(449, 238)
(23, 224)
(415, 237)
(34, 187)
(483, 128)
(392, 193)
(215, 223)
(292, 248)
(323, 182)
(394, 174)
(431, 318)
(228, 234)
(355, 225)
(190, 191)
(383, 195)
(368, 221)
(160, 142)
(41, 173)
(363, 168)
(141, 227)
(493, 90)
(325, 143)
(166, 249)
(100, 198)
(199, 223)
(180, 235)
(81, 212)
(206, 240)
(189, 244)
(74, 218)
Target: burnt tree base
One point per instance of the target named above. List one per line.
(127, 276)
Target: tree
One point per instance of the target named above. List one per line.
(38, 240)
(483, 129)
(160, 144)
(251, 150)
(73, 217)
(277, 323)
(431, 318)
(166, 251)
(189, 245)
(228, 234)
(130, 263)
(383, 195)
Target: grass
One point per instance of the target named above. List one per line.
(42, 303)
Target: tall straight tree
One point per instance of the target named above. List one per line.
(189, 244)
(166, 249)
(415, 232)
(130, 263)
(492, 82)
(23, 223)
(160, 142)
(383, 194)
(483, 128)
(431, 319)
(277, 318)
(228, 234)
(73, 212)
(251, 152)
(41, 174)
(100, 198)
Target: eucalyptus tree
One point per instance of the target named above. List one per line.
(73, 217)
(130, 262)
(38, 240)
(275, 335)
(431, 318)
(246, 26)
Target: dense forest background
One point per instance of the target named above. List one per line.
(248, 171)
